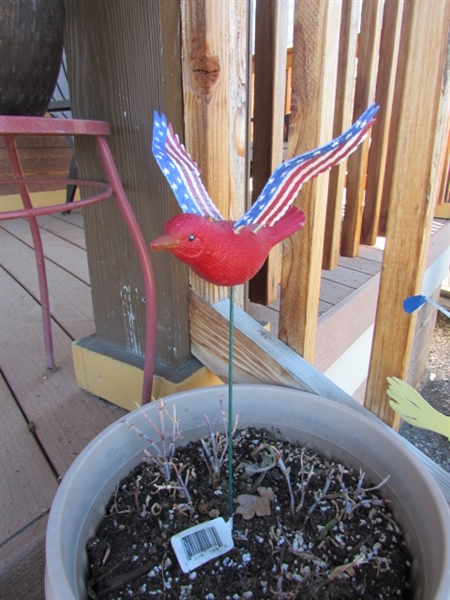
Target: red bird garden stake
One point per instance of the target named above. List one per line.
(229, 253)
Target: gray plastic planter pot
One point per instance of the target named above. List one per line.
(417, 501)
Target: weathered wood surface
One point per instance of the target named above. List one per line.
(27, 487)
(369, 46)
(57, 250)
(422, 41)
(440, 172)
(261, 356)
(389, 42)
(43, 157)
(210, 345)
(50, 400)
(314, 66)
(69, 227)
(46, 419)
(215, 110)
(28, 481)
(70, 297)
(342, 120)
(271, 25)
(133, 59)
(22, 563)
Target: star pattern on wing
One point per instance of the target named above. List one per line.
(281, 189)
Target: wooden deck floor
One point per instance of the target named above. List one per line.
(46, 420)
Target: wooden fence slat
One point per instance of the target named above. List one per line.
(369, 43)
(214, 87)
(390, 35)
(440, 176)
(268, 120)
(315, 55)
(342, 120)
(416, 99)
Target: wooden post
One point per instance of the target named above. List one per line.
(315, 55)
(342, 121)
(215, 106)
(369, 44)
(390, 36)
(423, 42)
(268, 120)
(124, 62)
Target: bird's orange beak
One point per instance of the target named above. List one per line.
(164, 242)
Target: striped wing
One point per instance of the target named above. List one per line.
(181, 171)
(285, 182)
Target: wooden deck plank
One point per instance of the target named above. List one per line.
(67, 228)
(22, 563)
(334, 292)
(70, 298)
(363, 265)
(343, 324)
(65, 254)
(28, 484)
(351, 278)
(65, 417)
(76, 217)
(371, 253)
(271, 314)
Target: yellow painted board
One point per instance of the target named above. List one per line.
(121, 383)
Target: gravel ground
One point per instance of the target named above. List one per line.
(436, 390)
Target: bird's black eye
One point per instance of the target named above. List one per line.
(191, 238)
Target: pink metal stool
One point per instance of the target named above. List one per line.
(10, 128)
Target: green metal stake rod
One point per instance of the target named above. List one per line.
(230, 406)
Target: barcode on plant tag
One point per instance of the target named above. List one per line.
(199, 544)
(201, 541)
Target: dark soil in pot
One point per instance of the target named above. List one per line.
(340, 542)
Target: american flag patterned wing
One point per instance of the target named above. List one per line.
(285, 182)
(180, 171)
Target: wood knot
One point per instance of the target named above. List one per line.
(205, 71)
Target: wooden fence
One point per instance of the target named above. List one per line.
(345, 55)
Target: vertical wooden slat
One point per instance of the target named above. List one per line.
(342, 120)
(440, 179)
(422, 42)
(315, 54)
(390, 35)
(369, 43)
(214, 79)
(268, 123)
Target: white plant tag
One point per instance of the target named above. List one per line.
(199, 544)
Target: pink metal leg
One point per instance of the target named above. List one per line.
(144, 259)
(38, 250)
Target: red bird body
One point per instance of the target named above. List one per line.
(219, 253)
(232, 252)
